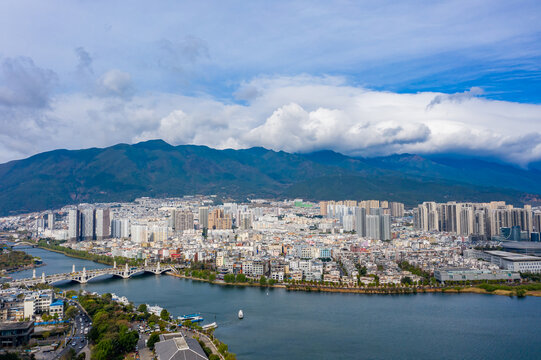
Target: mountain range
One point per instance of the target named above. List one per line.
(155, 168)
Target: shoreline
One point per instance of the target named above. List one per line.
(311, 288)
(27, 267)
(373, 291)
(72, 255)
(223, 283)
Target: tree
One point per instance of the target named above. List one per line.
(229, 278)
(406, 280)
(70, 355)
(142, 308)
(212, 277)
(103, 350)
(222, 348)
(153, 318)
(71, 311)
(263, 281)
(187, 323)
(241, 278)
(363, 271)
(164, 314)
(152, 340)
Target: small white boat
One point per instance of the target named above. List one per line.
(210, 326)
(241, 314)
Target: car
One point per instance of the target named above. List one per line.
(73, 343)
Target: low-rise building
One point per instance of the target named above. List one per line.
(178, 347)
(14, 334)
(57, 308)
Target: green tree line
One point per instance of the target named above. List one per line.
(103, 259)
(110, 332)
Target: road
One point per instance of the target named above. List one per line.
(77, 340)
(144, 352)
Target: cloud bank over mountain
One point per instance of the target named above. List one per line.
(364, 79)
(294, 114)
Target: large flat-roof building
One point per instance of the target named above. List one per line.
(460, 274)
(513, 261)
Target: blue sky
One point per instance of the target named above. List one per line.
(352, 76)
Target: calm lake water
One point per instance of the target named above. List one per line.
(279, 324)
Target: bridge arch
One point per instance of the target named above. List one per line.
(50, 282)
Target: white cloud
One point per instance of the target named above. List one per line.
(115, 83)
(292, 114)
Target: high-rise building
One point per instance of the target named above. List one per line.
(40, 223)
(536, 221)
(74, 222)
(158, 233)
(116, 226)
(182, 220)
(465, 225)
(360, 221)
(103, 230)
(50, 220)
(348, 222)
(88, 224)
(245, 221)
(482, 220)
(479, 223)
(219, 220)
(323, 208)
(376, 211)
(385, 227)
(203, 217)
(124, 228)
(397, 209)
(373, 226)
(139, 233)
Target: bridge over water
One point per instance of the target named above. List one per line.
(84, 276)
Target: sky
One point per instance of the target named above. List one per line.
(364, 78)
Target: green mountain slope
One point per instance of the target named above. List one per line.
(155, 168)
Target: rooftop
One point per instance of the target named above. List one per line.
(513, 256)
(57, 303)
(176, 347)
(17, 325)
